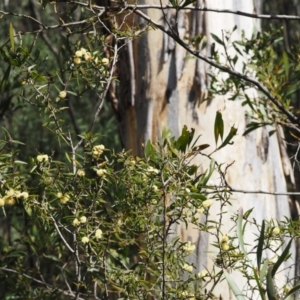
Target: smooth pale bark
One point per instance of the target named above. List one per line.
(160, 86)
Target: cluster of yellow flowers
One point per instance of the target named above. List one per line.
(202, 274)
(98, 235)
(152, 170)
(63, 198)
(188, 248)
(224, 242)
(11, 195)
(82, 53)
(81, 173)
(81, 220)
(97, 151)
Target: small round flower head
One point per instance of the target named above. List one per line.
(88, 56)
(10, 201)
(77, 60)
(225, 246)
(188, 248)
(85, 240)
(62, 94)
(97, 150)
(187, 268)
(2, 202)
(76, 222)
(225, 238)
(105, 61)
(101, 172)
(24, 195)
(154, 188)
(276, 230)
(207, 203)
(152, 170)
(83, 51)
(42, 158)
(202, 274)
(81, 173)
(98, 234)
(200, 210)
(10, 193)
(59, 195)
(64, 199)
(79, 53)
(83, 219)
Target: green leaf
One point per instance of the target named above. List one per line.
(149, 151)
(260, 244)
(4, 81)
(258, 282)
(185, 139)
(285, 253)
(239, 231)
(236, 291)
(229, 137)
(12, 36)
(286, 64)
(271, 290)
(217, 39)
(219, 126)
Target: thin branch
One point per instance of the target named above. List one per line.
(190, 8)
(67, 293)
(61, 235)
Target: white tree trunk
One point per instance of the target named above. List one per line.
(161, 87)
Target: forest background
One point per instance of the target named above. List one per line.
(82, 218)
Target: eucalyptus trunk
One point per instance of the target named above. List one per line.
(161, 87)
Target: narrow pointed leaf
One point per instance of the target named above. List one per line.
(236, 291)
(229, 137)
(219, 126)
(260, 245)
(12, 36)
(271, 290)
(282, 258)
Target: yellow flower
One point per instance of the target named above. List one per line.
(276, 230)
(225, 238)
(76, 222)
(81, 173)
(59, 195)
(62, 94)
(83, 51)
(79, 53)
(64, 199)
(24, 195)
(152, 170)
(207, 203)
(82, 219)
(97, 150)
(225, 246)
(101, 172)
(85, 240)
(88, 56)
(202, 274)
(2, 202)
(187, 268)
(188, 248)
(76, 60)
(42, 158)
(105, 61)
(98, 234)
(200, 210)
(10, 201)
(10, 193)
